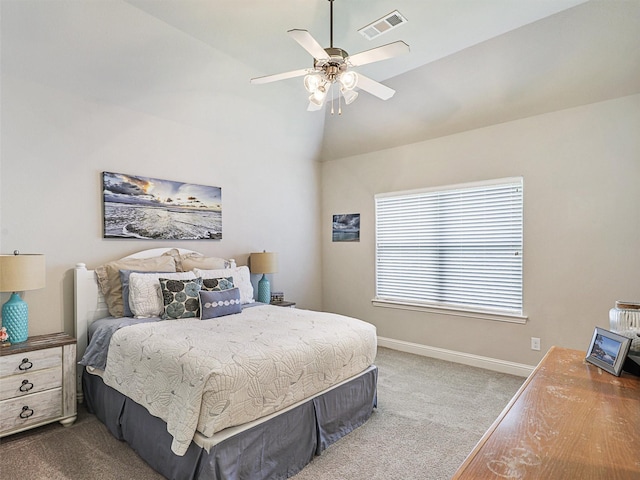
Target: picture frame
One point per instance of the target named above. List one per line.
(608, 350)
(146, 208)
(346, 228)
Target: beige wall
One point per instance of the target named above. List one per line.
(581, 170)
(207, 126)
(188, 113)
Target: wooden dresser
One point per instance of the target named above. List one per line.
(569, 420)
(37, 383)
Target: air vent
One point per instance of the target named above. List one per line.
(383, 25)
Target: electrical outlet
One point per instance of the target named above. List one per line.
(535, 343)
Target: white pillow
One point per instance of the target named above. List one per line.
(241, 279)
(145, 295)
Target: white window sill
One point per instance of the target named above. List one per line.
(483, 315)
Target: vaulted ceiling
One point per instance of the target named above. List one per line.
(472, 63)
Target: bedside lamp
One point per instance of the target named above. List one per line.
(17, 274)
(265, 262)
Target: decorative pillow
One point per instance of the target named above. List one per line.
(217, 304)
(109, 277)
(180, 297)
(217, 284)
(145, 296)
(175, 254)
(124, 280)
(190, 261)
(241, 280)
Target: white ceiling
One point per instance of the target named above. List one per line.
(254, 31)
(472, 62)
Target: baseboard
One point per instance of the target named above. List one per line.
(457, 357)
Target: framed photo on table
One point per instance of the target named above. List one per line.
(608, 350)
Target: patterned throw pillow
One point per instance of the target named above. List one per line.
(241, 279)
(217, 284)
(180, 298)
(217, 304)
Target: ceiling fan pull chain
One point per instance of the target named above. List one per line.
(333, 97)
(339, 104)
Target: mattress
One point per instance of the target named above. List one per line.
(208, 376)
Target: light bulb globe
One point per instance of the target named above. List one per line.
(349, 80)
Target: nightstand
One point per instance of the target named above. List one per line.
(38, 383)
(284, 304)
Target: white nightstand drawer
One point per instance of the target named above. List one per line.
(30, 382)
(25, 362)
(37, 383)
(32, 409)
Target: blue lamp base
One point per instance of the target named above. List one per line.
(264, 290)
(15, 318)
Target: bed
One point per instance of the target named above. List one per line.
(250, 391)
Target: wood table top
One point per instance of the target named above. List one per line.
(569, 420)
(38, 342)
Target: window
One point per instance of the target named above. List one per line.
(456, 248)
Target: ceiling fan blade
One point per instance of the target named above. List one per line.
(280, 76)
(309, 43)
(375, 88)
(384, 52)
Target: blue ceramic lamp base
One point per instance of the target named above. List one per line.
(264, 290)
(15, 318)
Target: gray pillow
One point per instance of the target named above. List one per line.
(217, 304)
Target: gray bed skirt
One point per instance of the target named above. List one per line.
(276, 449)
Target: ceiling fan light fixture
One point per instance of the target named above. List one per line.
(349, 95)
(317, 97)
(313, 99)
(331, 67)
(349, 80)
(313, 82)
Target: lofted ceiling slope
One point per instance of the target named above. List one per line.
(586, 54)
(473, 63)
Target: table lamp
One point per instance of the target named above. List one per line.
(17, 274)
(265, 262)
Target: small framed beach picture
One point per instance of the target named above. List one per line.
(608, 350)
(153, 209)
(346, 228)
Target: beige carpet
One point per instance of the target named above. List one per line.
(430, 414)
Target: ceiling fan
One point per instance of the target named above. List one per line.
(331, 68)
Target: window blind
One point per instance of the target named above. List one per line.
(456, 247)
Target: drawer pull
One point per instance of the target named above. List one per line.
(26, 386)
(26, 412)
(25, 365)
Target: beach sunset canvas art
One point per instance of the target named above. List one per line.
(151, 208)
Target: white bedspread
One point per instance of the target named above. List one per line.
(208, 375)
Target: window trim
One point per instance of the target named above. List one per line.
(445, 310)
(511, 316)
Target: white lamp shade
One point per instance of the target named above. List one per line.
(265, 262)
(22, 272)
(349, 96)
(349, 80)
(312, 82)
(319, 95)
